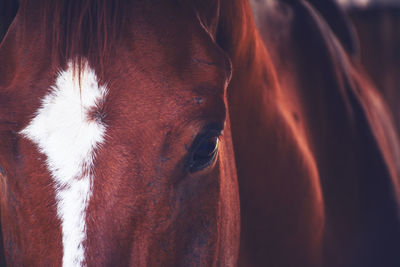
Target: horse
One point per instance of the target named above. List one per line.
(350, 135)
(115, 136)
(172, 133)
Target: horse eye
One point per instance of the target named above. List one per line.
(204, 153)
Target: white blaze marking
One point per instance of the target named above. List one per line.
(65, 134)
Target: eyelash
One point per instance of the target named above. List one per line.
(204, 151)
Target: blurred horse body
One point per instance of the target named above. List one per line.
(350, 134)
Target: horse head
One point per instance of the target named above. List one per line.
(116, 141)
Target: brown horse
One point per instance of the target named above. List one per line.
(115, 139)
(111, 147)
(343, 124)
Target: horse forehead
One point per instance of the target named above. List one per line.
(183, 45)
(69, 102)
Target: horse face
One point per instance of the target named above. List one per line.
(137, 164)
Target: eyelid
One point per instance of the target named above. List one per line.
(210, 131)
(191, 165)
